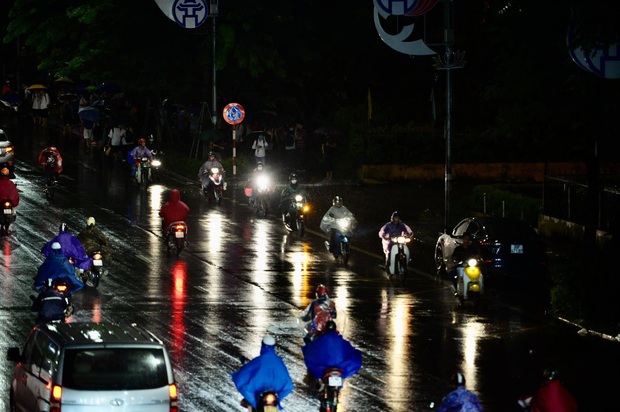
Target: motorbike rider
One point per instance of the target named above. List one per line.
(205, 169)
(395, 227)
(266, 371)
(71, 248)
(463, 252)
(460, 399)
(318, 313)
(8, 189)
(288, 193)
(51, 162)
(329, 223)
(93, 239)
(331, 350)
(139, 152)
(552, 396)
(57, 266)
(174, 210)
(49, 304)
(253, 180)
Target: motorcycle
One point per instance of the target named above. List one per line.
(50, 182)
(176, 236)
(294, 219)
(62, 287)
(213, 190)
(7, 217)
(469, 282)
(93, 276)
(329, 392)
(264, 188)
(344, 229)
(267, 402)
(143, 171)
(155, 165)
(399, 256)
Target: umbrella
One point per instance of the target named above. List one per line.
(327, 131)
(89, 113)
(37, 87)
(63, 80)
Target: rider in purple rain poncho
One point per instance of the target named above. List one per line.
(331, 350)
(71, 248)
(266, 371)
(56, 266)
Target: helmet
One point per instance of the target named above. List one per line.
(141, 140)
(292, 178)
(259, 166)
(90, 221)
(330, 325)
(457, 379)
(337, 201)
(56, 246)
(321, 291)
(211, 154)
(269, 340)
(394, 215)
(551, 374)
(4, 171)
(63, 227)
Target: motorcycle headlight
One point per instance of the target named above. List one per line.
(344, 223)
(402, 239)
(156, 163)
(298, 198)
(215, 170)
(472, 262)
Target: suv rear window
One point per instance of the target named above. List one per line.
(114, 369)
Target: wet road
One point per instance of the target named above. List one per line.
(242, 276)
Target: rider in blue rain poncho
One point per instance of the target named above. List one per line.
(56, 266)
(266, 371)
(71, 248)
(331, 350)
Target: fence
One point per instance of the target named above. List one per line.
(566, 198)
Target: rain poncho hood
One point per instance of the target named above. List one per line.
(174, 209)
(267, 371)
(56, 266)
(332, 351)
(71, 247)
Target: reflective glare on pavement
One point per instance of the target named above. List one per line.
(242, 276)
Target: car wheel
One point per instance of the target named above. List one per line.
(439, 262)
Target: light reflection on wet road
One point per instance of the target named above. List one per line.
(241, 276)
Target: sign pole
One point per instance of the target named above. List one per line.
(233, 115)
(234, 150)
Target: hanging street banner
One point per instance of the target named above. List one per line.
(186, 13)
(399, 41)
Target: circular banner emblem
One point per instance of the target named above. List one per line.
(233, 113)
(190, 13)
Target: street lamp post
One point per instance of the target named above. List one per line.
(448, 61)
(213, 7)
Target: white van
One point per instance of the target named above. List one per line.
(79, 367)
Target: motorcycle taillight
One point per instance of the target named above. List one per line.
(97, 256)
(179, 228)
(61, 288)
(7, 205)
(270, 399)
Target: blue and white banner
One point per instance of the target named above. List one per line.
(186, 13)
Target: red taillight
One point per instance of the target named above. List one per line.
(56, 398)
(179, 228)
(174, 403)
(270, 399)
(7, 205)
(61, 288)
(97, 256)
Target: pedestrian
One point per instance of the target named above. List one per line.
(260, 147)
(460, 399)
(116, 140)
(328, 150)
(301, 137)
(88, 134)
(40, 107)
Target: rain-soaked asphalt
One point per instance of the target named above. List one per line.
(242, 276)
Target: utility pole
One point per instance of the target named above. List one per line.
(213, 7)
(448, 61)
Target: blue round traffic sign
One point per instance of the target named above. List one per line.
(234, 113)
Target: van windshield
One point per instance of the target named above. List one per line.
(114, 369)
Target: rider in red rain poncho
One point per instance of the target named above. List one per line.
(552, 396)
(51, 162)
(173, 210)
(8, 189)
